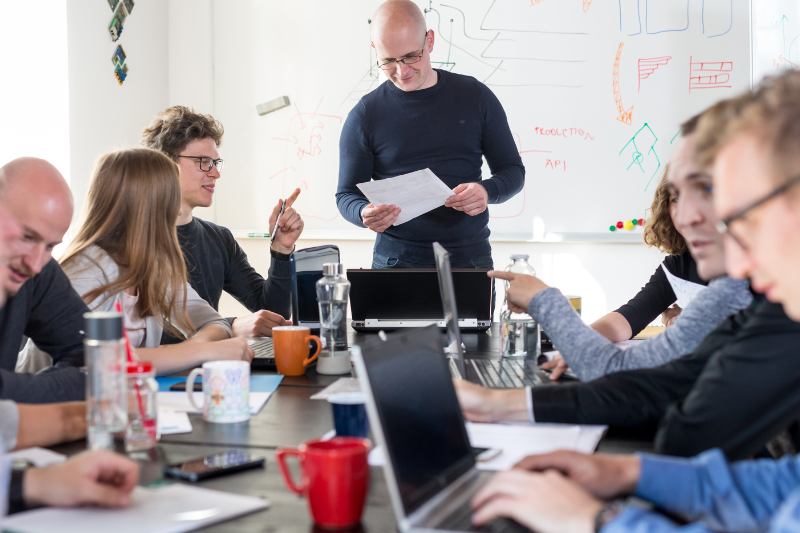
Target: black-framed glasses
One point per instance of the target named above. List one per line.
(206, 163)
(416, 57)
(724, 225)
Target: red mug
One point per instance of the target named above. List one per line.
(335, 478)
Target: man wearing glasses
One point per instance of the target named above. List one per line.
(425, 118)
(214, 260)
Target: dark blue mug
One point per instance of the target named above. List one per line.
(350, 414)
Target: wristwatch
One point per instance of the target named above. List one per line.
(607, 513)
(16, 498)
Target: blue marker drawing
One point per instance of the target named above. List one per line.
(659, 12)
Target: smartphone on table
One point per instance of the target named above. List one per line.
(218, 464)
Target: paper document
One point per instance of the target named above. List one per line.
(415, 193)
(520, 440)
(340, 385)
(169, 509)
(172, 423)
(684, 290)
(179, 402)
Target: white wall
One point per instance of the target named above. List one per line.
(35, 98)
(105, 116)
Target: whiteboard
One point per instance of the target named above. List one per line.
(594, 91)
(776, 37)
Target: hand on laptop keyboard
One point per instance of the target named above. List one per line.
(545, 502)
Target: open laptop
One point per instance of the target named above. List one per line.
(306, 266)
(492, 373)
(414, 415)
(387, 299)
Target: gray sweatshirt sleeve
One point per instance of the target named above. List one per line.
(591, 355)
(9, 423)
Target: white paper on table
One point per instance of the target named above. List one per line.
(520, 440)
(340, 385)
(38, 457)
(169, 509)
(179, 402)
(590, 437)
(685, 291)
(173, 423)
(414, 193)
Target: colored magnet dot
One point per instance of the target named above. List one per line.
(641, 222)
(628, 225)
(634, 221)
(620, 225)
(612, 228)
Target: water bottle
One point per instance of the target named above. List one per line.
(142, 391)
(106, 391)
(332, 292)
(519, 333)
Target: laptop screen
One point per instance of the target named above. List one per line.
(306, 270)
(422, 424)
(448, 294)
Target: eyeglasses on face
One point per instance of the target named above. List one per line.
(416, 57)
(206, 163)
(724, 225)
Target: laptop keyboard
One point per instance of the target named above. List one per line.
(505, 373)
(262, 348)
(461, 520)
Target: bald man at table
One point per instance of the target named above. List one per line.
(419, 118)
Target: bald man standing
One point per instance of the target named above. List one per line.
(41, 302)
(419, 118)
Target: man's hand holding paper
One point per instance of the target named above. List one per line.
(397, 200)
(471, 198)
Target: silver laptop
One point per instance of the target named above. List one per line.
(414, 415)
(493, 373)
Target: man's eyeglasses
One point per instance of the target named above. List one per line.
(206, 163)
(724, 225)
(416, 57)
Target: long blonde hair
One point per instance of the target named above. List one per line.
(131, 210)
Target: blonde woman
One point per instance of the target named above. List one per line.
(127, 250)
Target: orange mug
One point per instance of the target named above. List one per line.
(291, 346)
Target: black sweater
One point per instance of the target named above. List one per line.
(49, 311)
(215, 262)
(736, 391)
(657, 295)
(449, 128)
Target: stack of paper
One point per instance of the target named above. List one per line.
(178, 402)
(516, 441)
(414, 193)
(168, 509)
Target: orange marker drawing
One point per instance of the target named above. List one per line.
(586, 4)
(624, 116)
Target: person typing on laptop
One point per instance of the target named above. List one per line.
(591, 355)
(756, 168)
(425, 118)
(737, 390)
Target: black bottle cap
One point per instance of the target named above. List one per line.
(102, 326)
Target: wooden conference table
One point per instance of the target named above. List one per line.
(288, 419)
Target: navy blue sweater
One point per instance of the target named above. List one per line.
(448, 128)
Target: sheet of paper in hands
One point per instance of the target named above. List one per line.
(415, 193)
(684, 290)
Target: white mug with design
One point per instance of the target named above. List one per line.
(226, 391)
